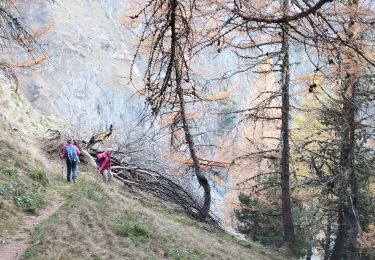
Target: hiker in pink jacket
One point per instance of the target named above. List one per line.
(70, 153)
(104, 164)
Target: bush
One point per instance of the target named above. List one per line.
(259, 221)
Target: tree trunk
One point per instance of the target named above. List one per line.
(202, 180)
(353, 182)
(341, 233)
(348, 226)
(327, 243)
(288, 227)
(189, 139)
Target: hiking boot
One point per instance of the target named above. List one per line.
(68, 179)
(74, 180)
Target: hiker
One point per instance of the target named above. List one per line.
(103, 161)
(70, 153)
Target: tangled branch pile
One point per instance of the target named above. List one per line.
(135, 176)
(162, 187)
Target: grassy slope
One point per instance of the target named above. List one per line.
(23, 187)
(99, 221)
(107, 222)
(96, 221)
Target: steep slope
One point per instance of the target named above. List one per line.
(29, 182)
(94, 221)
(107, 222)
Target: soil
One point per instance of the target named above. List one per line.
(12, 248)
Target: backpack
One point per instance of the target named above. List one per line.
(98, 161)
(70, 153)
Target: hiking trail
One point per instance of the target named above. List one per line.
(12, 248)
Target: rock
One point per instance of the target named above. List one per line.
(83, 72)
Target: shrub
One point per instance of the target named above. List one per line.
(8, 187)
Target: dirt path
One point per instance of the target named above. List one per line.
(14, 247)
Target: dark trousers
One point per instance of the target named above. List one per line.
(71, 169)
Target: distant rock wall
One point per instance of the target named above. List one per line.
(83, 81)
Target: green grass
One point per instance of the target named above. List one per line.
(85, 188)
(27, 191)
(133, 229)
(22, 189)
(179, 254)
(32, 202)
(97, 222)
(38, 176)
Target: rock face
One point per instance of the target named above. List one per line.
(84, 79)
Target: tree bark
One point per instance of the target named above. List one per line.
(288, 227)
(327, 243)
(341, 233)
(348, 227)
(202, 180)
(346, 244)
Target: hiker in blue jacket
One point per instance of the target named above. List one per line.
(70, 153)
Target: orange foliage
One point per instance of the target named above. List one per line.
(188, 162)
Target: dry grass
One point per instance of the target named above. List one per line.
(97, 221)
(106, 222)
(28, 180)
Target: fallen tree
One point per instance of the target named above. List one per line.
(136, 177)
(163, 188)
(157, 184)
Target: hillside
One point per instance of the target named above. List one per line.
(233, 129)
(89, 220)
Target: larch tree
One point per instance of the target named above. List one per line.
(277, 28)
(168, 34)
(338, 151)
(14, 33)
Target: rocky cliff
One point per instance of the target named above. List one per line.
(83, 80)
